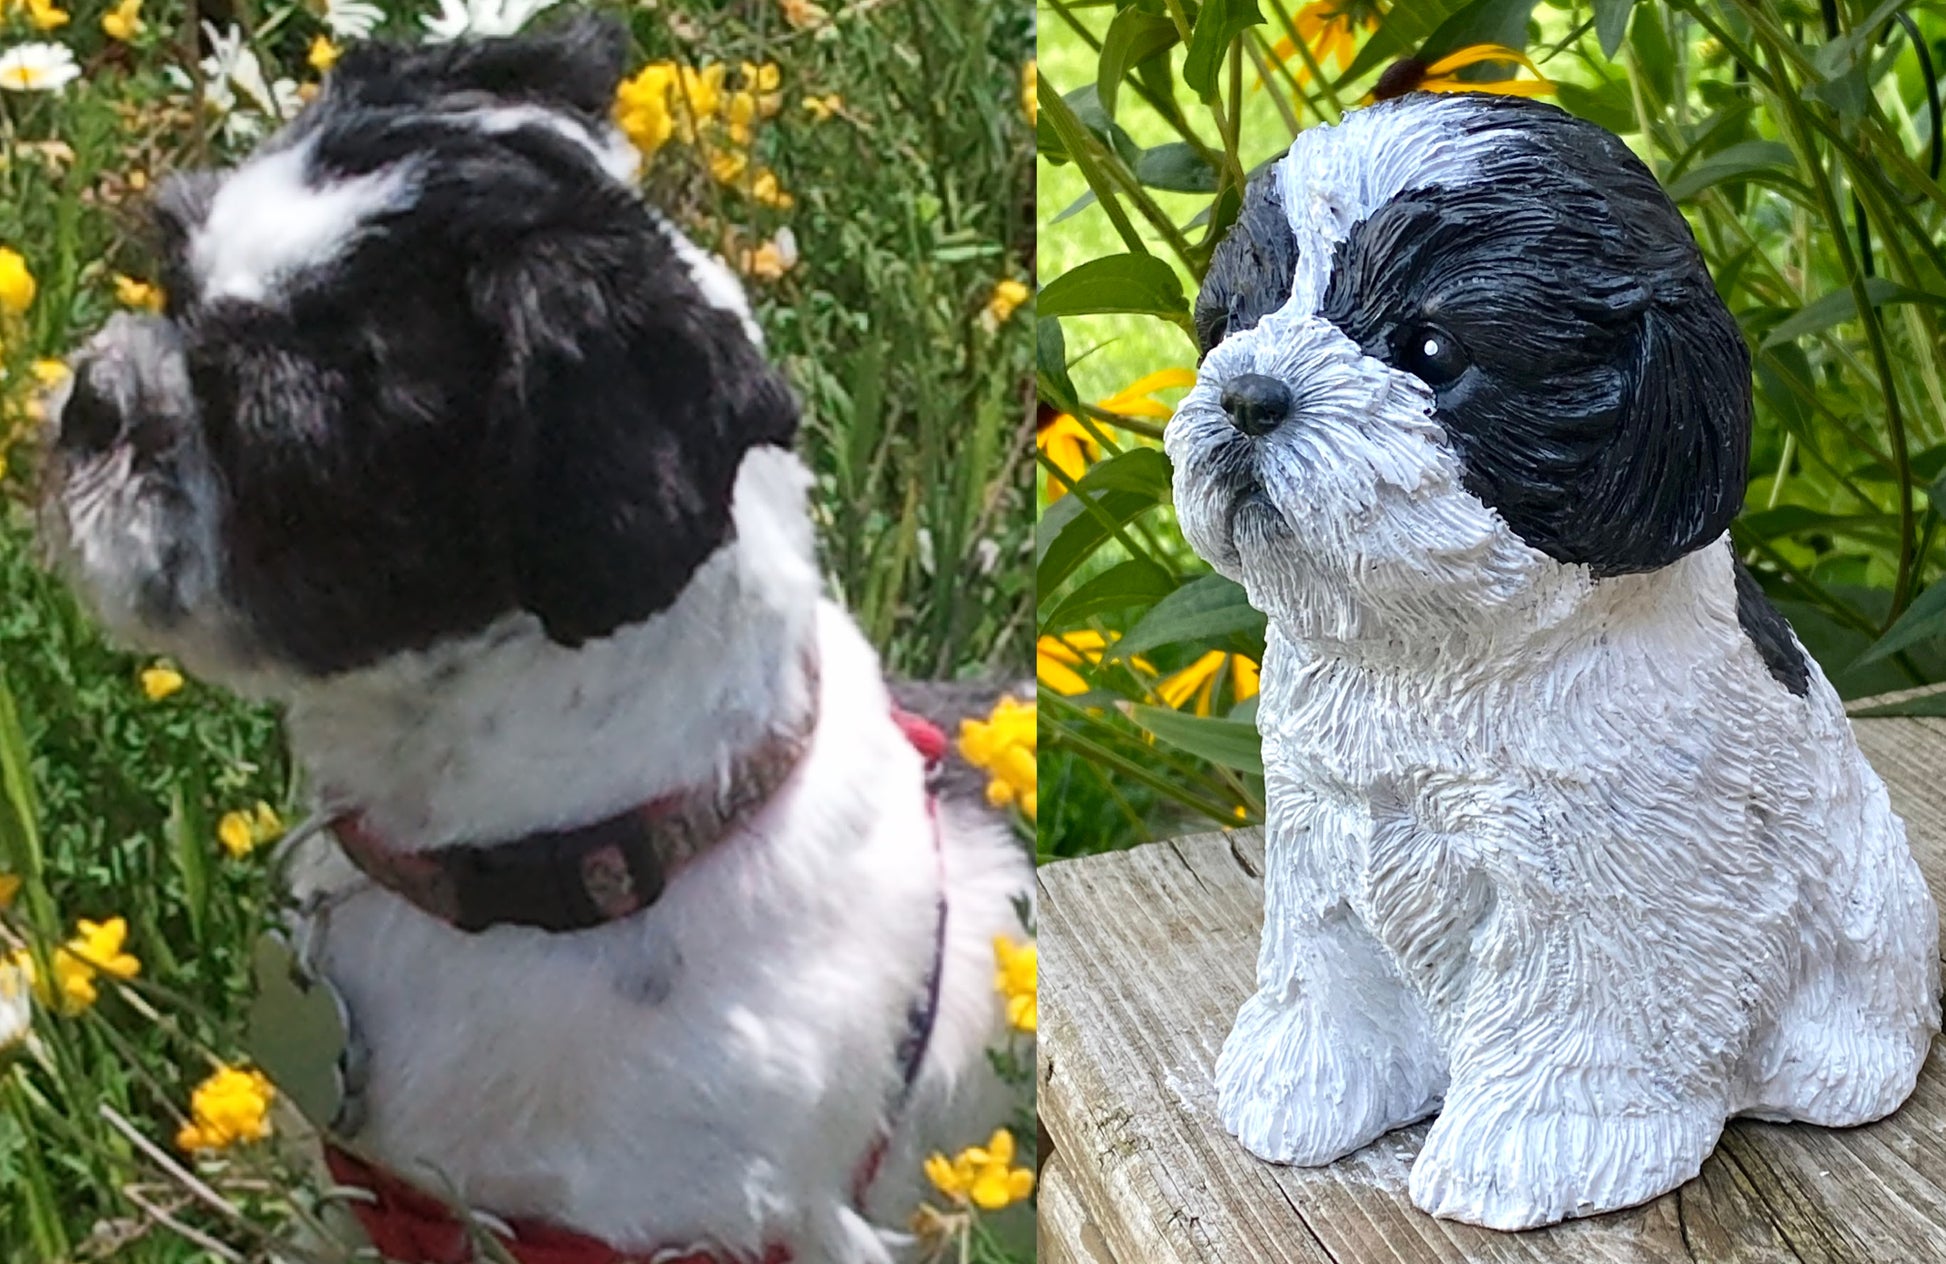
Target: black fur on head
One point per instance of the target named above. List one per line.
(1594, 386)
(506, 393)
(1251, 270)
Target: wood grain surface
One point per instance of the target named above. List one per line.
(1145, 957)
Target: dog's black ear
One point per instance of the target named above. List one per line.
(1252, 269)
(576, 63)
(631, 406)
(1674, 473)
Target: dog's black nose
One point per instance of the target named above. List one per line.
(1257, 404)
(90, 420)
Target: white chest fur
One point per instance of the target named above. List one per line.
(1595, 893)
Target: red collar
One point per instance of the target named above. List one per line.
(408, 1225)
(569, 880)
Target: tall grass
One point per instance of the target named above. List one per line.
(911, 202)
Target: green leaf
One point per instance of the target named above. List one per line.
(1176, 167)
(1481, 22)
(1219, 22)
(1051, 366)
(1116, 491)
(1141, 284)
(1136, 582)
(1789, 520)
(1653, 56)
(189, 847)
(1226, 743)
(1611, 24)
(1923, 620)
(1738, 162)
(1203, 610)
(1839, 305)
(20, 839)
(1133, 37)
(1608, 104)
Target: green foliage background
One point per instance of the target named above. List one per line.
(1794, 136)
(910, 207)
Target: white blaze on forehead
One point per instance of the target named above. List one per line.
(1334, 178)
(609, 148)
(712, 276)
(268, 221)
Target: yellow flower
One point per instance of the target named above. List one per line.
(124, 21)
(324, 54)
(1198, 681)
(728, 165)
(49, 373)
(1056, 657)
(1004, 745)
(765, 189)
(16, 1004)
(642, 107)
(1409, 74)
(804, 15)
(44, 15)
(229, 1107)
(1030, 101)
(1072, 449)
(159, 681)
(141, 295)
(1008, 294)
(95, 949)
(16, 283)
(703, 89)
(771, 260)
(822, 108)
(1329, 28)
(984, 1174)
(1017, 978)
(243, 832)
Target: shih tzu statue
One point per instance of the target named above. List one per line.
(1569, 841)
(651, 938)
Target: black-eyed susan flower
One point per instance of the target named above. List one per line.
(985, 1175)
(1409, 74)
(17, 284)
(160, 681)
(1198, 681)
(1003, 745)
(232, 1106)
(1072, 449)
(1017, 977)
(1330, 30)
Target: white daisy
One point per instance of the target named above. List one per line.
(37, 68)
(351, 19)
(480, 17)
(16, 1004)
(233, 77)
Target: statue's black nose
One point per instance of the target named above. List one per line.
(90, 420)
(1257, 404)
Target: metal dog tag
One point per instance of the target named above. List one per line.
(300, 1034)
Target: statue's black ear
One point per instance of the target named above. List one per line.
(1252, 269)
(1674, 473)
(630, 406)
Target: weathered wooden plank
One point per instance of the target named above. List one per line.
(1068, 1234)
(1146, 956)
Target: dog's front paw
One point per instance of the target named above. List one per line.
(1298, 1085)
(1499, 1160)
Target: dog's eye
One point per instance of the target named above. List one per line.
(1431, 354)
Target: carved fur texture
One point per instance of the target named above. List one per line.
(452, 446)
(1569, 842)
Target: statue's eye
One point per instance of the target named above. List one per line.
(1430, 354)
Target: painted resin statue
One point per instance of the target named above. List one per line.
(1570, 843)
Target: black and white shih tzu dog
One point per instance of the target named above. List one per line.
(1569, 841)
(647, 928)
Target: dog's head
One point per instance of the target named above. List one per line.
(1453, 346)
(427, 361)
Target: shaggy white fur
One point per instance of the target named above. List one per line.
(1554, 857)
